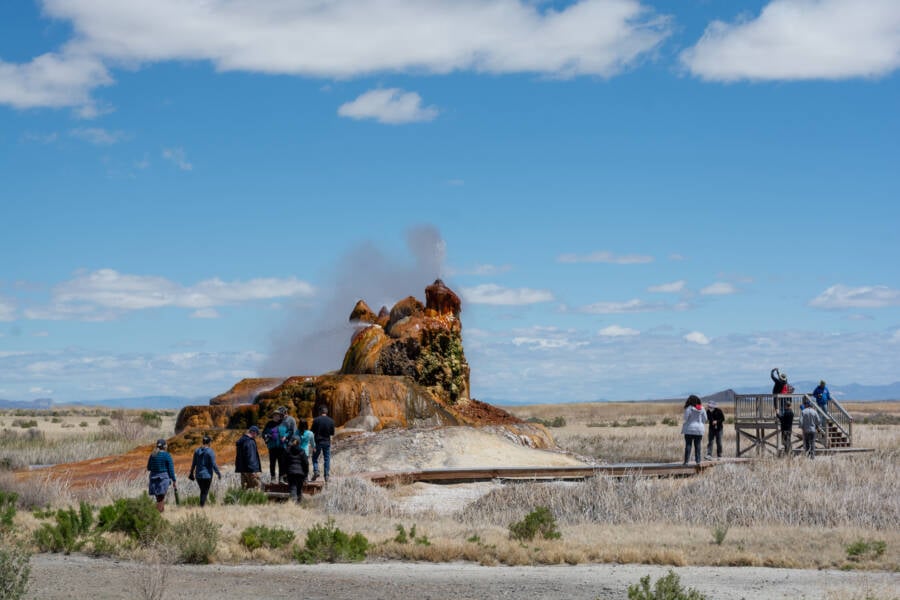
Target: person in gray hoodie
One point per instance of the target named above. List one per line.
(693, 428)
(809, 422)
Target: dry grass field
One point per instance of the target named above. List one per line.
(793, 513)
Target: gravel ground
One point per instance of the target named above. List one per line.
(64, 577)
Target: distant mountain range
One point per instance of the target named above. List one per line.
(144, 402)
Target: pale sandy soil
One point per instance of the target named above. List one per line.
(54, 577)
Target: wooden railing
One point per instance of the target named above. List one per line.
(762, 410)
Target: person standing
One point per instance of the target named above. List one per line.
(716, 419)
(203, 467)
(809, 422)
(780, 386)
(272, 436)
(307, 440)
(822, 396)
(693, 427)
(786, 420)
(162, 473)
(322, 429)
(297, 465)
(246, 459)
(289, 423)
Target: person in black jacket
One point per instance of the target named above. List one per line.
(246, 460)
(322, 429)
(787, 422)
(716, 419)
(297, 467)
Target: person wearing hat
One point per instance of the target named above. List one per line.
(246, 459)
(716, 419)
(786, 422)
(781, 386)
(809, 423)
(822, 396)
(162, 473)
(203, 467)
(273, 435)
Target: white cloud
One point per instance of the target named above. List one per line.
(40, 138)
(605, 257)
(668, 288)
(618, 331)
(98, 136)
(719, 289)
(335, 39)
(106, 293)
(52, 80)
(490, 293)
(391, 106)
(177, 157)
(629, 306)
(841, 296)
(802, 39)
(7, 310)
(205, 313)
(480, 270)
(695, 337)
(676, 257)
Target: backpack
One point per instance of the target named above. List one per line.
(272, 438)
(788, 389)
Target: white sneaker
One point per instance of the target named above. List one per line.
(707, 457)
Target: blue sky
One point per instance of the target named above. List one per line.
(634, 199)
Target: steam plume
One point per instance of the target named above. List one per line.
(314, 342)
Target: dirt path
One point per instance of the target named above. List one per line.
(64, 577)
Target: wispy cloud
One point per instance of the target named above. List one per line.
(673, 287)
(7, 310)
(696, 337)
(335, 39)
(605, 257)
(479, 270)
(719, 288)
(629, 306)
(802, 39)
(841, 296)
(490, 293)
(177, 157)
(391, 107)
(105, 294)
(40, 138)
(205, 313)
(98, 136)
(618, 331)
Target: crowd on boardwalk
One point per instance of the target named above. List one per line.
(711, 420)
(288, 443)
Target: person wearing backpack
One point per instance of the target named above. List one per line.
(272, 436)
(297, 468)
(203, 467)
(323, 430)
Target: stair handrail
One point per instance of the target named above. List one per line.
(826, 416)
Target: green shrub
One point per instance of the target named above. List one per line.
(259, 536)
(136, 517)
(195, 537)
(56, 420)
(68, 534)
(195, 500)
(25, 424)
(555, 422)
(665, 588)
(402, 537)
(327, 543)
(244, 497)
(669, 421)
(540, 520)
(104, 422)
(861, 549)
(15, 568)
(719, 532)
(7, 509)
(151, 419)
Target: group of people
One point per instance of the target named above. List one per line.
(695, 420)
(809, 424)
(288, 443)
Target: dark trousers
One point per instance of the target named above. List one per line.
(276, 457)
(204, 484)
(787, 442)
(295, 483)
(714, 434)
(809, 443)
(323, 448)
(695, 441)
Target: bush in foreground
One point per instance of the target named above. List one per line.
(327, 543)
(15, 569)
(195, 537)
(665, 588)
(539, 521)
(256, 537)
(135, 517)
(244, 497)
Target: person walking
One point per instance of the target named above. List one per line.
(322, 429)
(822, 396)
(297, 465)
(786, 421)
(716, 419)
(693, 427)
(246, 459)
(809, 423)
(272, 436)
(202, 468)
(162, 473)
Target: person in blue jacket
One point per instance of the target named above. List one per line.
(822, 396)
(162, 473)
(203, 467)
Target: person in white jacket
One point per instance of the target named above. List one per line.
(694, 427)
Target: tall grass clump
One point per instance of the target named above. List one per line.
(355, 495)
(326, 543)
(69, 533)
(195, 538)
(32, 447)
(253, 538)
(665, 588)
(15, 569)
(242, 497)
